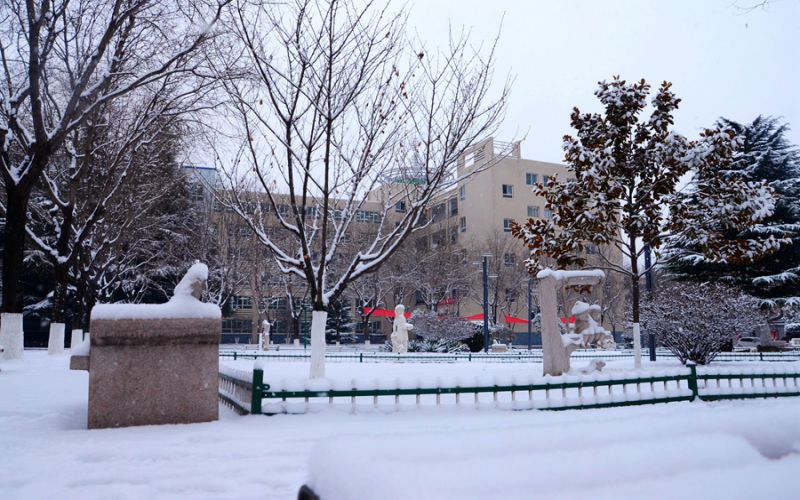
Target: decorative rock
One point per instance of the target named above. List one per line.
(556, 348)
(148, 365)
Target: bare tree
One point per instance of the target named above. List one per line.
(346, 118)
(61, 62)
(507, 284)
(695, 320)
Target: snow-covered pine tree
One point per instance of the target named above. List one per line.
(766, 156)
(626, 172)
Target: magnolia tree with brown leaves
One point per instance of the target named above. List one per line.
(695, 320)
(624, 190)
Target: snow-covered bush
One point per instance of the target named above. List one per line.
(423, 345)
(436, 333)
(695, 320)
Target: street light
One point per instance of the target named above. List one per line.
(530, 316)
(486, 301)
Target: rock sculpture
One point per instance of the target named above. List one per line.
(154, 363)
(400, 329)
(591, 333)
(556, 348)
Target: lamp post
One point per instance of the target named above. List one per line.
(486, 303)
(530, 316)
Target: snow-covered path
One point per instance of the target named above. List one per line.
(725, 450)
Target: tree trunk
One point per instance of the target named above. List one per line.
(14, 249)
(55, 344)
(60, 291)
(637, 337)
(318, 321)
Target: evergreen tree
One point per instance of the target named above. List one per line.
(765, 156)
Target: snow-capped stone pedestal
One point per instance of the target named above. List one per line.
(154, 364)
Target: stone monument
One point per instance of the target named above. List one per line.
(154, 364)
(557, 347)
(400, 329)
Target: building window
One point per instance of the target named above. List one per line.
(462, 224)
(509, 259)
(368, 216)
(548, 214)
(592, 249)
(438, 213)
(453, 234)
(242, 302)
(237, 326)
(507, 225)
(531, 179)
(453, 206)
(400, 206)
(469, 160)
(508, 191)
(462, 193)
(278, 303)
(545, 179)
(438, 238)
(533, 211)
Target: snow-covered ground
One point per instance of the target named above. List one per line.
(748, 449)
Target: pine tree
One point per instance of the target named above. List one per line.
(765, 156)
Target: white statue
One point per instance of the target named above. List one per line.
(265, 326)
(400, 330)
(592, 334)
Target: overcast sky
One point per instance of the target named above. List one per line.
(722, 61)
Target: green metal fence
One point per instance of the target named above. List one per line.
(555, 393)
(523, 356)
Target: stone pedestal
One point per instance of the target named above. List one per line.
(153, 371)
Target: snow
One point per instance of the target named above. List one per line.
(561, 275)
(181, 305)
(82, 349)
(582, 307)
(735, 449)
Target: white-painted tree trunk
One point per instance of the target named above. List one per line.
(637, 347)
(318, 320)
(55, 345)
(11, 336)
(77, 338)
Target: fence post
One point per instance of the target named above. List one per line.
(761, 355)
(361, 357)
(257, 391)
(470, 356)
(693, 379)
(234, 355)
